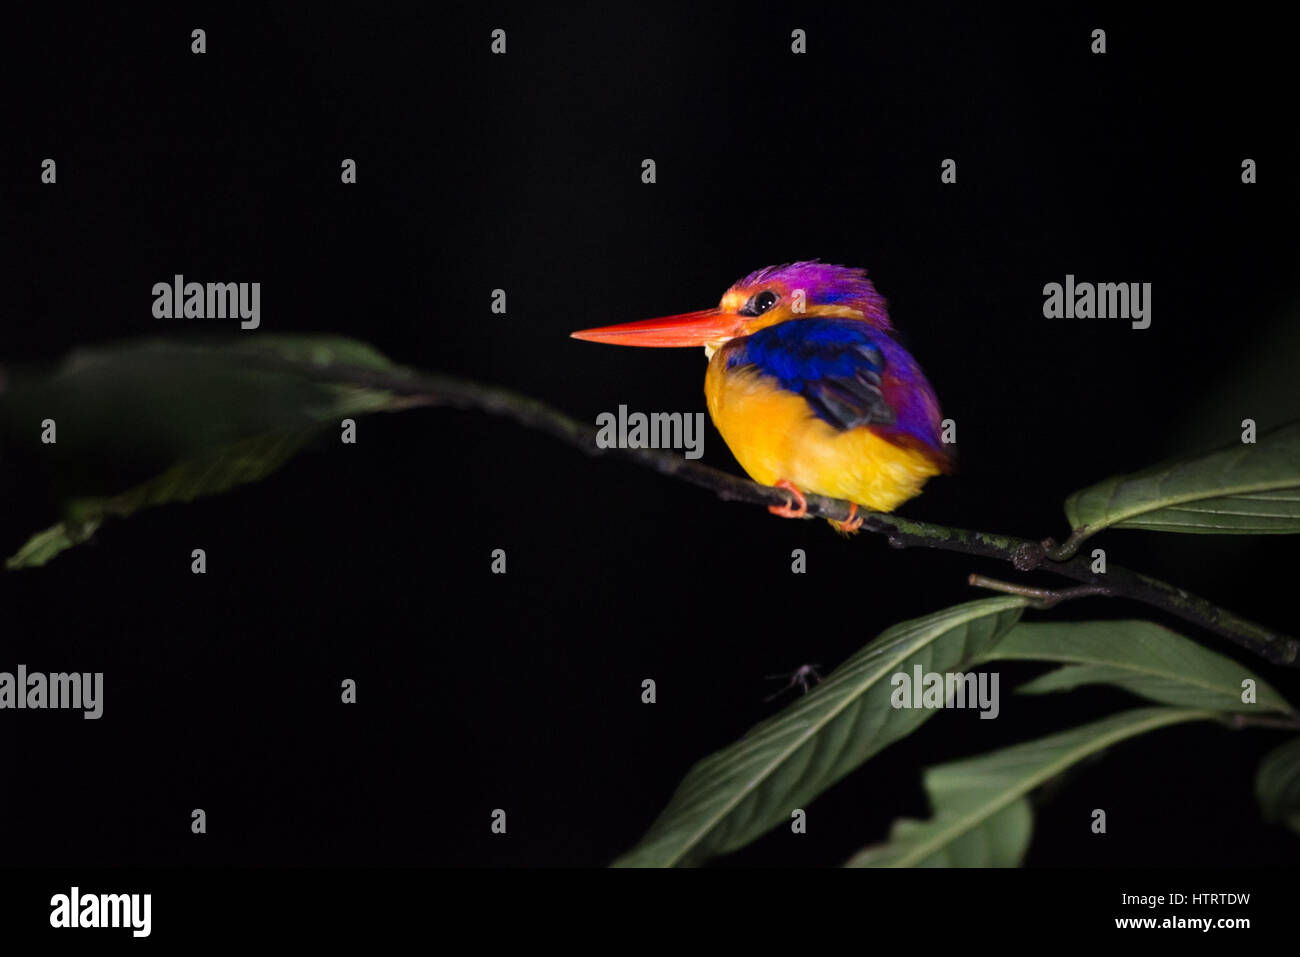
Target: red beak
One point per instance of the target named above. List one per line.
(687, 329)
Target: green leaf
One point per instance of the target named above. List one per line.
(1242, 490)
(998, 840)
(980, 816)
(44, 545)
(737, 794)
(1138, 656)
(1277, 785)
(207, 416)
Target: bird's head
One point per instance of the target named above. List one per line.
(776, 294)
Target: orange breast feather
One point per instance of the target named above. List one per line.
(774, 435)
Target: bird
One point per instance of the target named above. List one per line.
(810, 387)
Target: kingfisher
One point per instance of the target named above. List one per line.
(809, 387)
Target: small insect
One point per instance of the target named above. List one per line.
(800, 676)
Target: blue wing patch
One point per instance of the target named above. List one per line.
(833, 363)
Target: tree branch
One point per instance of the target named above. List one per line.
(1024, 554)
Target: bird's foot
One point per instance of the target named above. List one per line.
(850, 524)
(788, 510)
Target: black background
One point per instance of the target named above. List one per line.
(522, 172)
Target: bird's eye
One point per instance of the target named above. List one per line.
(760, 303)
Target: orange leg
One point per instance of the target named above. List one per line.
(850, 524)
(788, 510)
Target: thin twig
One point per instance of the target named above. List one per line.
(1024, 554)
(1249, 721)
(1041, 598)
